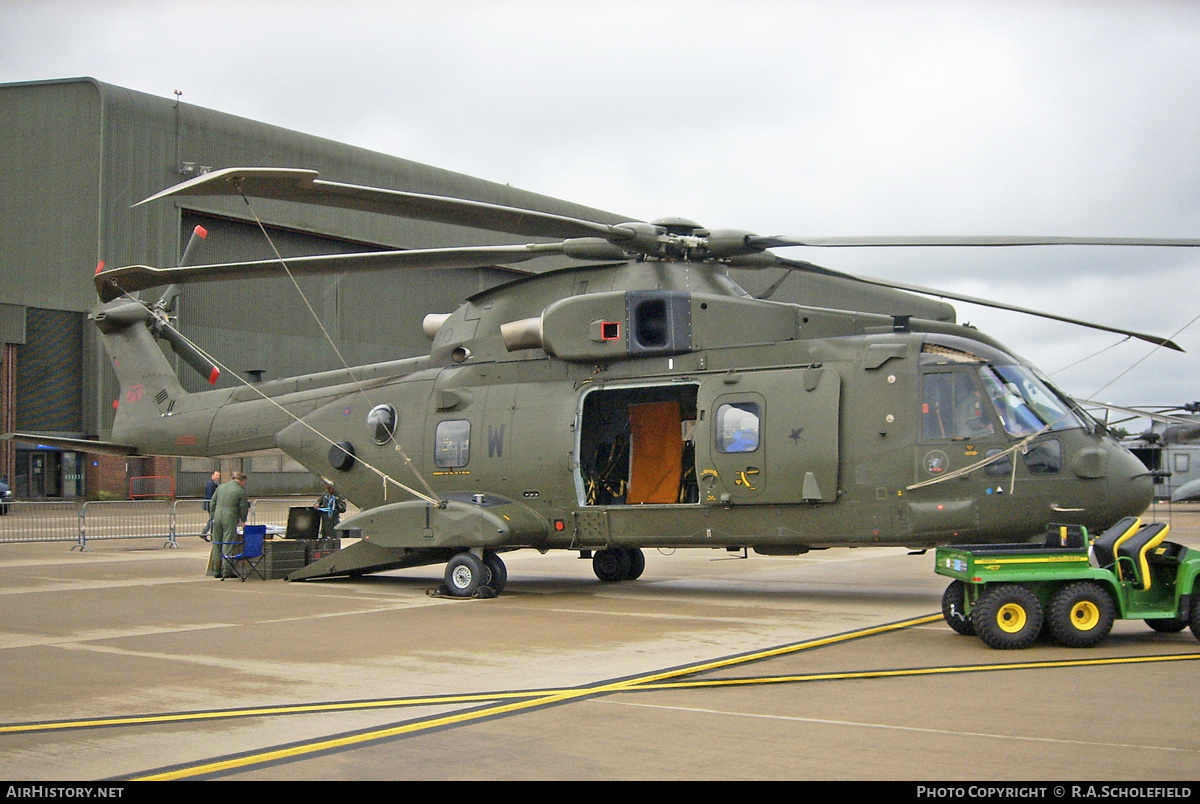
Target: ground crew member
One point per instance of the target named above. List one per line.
(230, 507)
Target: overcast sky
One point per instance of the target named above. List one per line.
(800, 118)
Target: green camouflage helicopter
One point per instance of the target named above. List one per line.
(639, 400)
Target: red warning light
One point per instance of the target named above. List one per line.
(100, 266)
(200, 231)
(559, 525)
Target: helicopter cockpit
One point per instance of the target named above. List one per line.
(965, 392)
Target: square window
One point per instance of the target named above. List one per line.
(452, 447)
(737, 427)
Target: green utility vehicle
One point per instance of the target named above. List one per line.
(1008, 594)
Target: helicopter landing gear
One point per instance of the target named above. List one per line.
(469, 575)
(498, 570)
(618, 564)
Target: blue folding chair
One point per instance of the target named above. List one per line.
(251, 557)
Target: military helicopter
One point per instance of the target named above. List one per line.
(638, 400)
(1169, 447)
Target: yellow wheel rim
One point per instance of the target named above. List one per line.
(1085, 615)
(1011, 618)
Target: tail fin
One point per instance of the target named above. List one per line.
(149, 386)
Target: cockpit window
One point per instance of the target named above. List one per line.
(1026, 404)
(954, 408)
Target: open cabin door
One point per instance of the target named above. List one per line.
(768, 437)
(635, 445)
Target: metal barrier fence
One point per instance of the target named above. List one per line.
(81, 522)
(41, 522)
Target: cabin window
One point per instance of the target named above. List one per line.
(1001, 467)
(737, 427)
(954, 408)
(1043, 457)
(1181, 462)
(452, 447)
(381, 423)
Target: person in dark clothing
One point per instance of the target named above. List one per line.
(331, 505)
(210, 488)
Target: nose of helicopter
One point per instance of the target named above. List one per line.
(1129, 486)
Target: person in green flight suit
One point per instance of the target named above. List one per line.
(230, 507)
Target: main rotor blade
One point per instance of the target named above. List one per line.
(942, 294)
(303, 186)
(781, 241)
(113, 282)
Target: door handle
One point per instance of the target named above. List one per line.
(743, 479)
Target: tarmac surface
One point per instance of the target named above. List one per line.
(127, 662)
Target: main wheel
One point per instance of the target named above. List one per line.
(953, 604)
(1008, 616)
(1168, 625)
(465, 573)
(499, 572)
(1081, 614)
(611, 565)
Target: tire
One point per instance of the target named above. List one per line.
(1081, 614)
(465, 573)
(952, 609)
(611, 565)
(637, 564)
(499, 573)
(1168, 625)
(1194, 620)
(1007, 617)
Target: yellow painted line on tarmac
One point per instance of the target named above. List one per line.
(639, 684)
(429, 700)
(549, 699)
(920, 671)
(511, 702)
(260, 711)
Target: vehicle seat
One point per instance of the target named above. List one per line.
(1071, 536)
(1166, 553)
(1105, 546)
(1131, 553)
